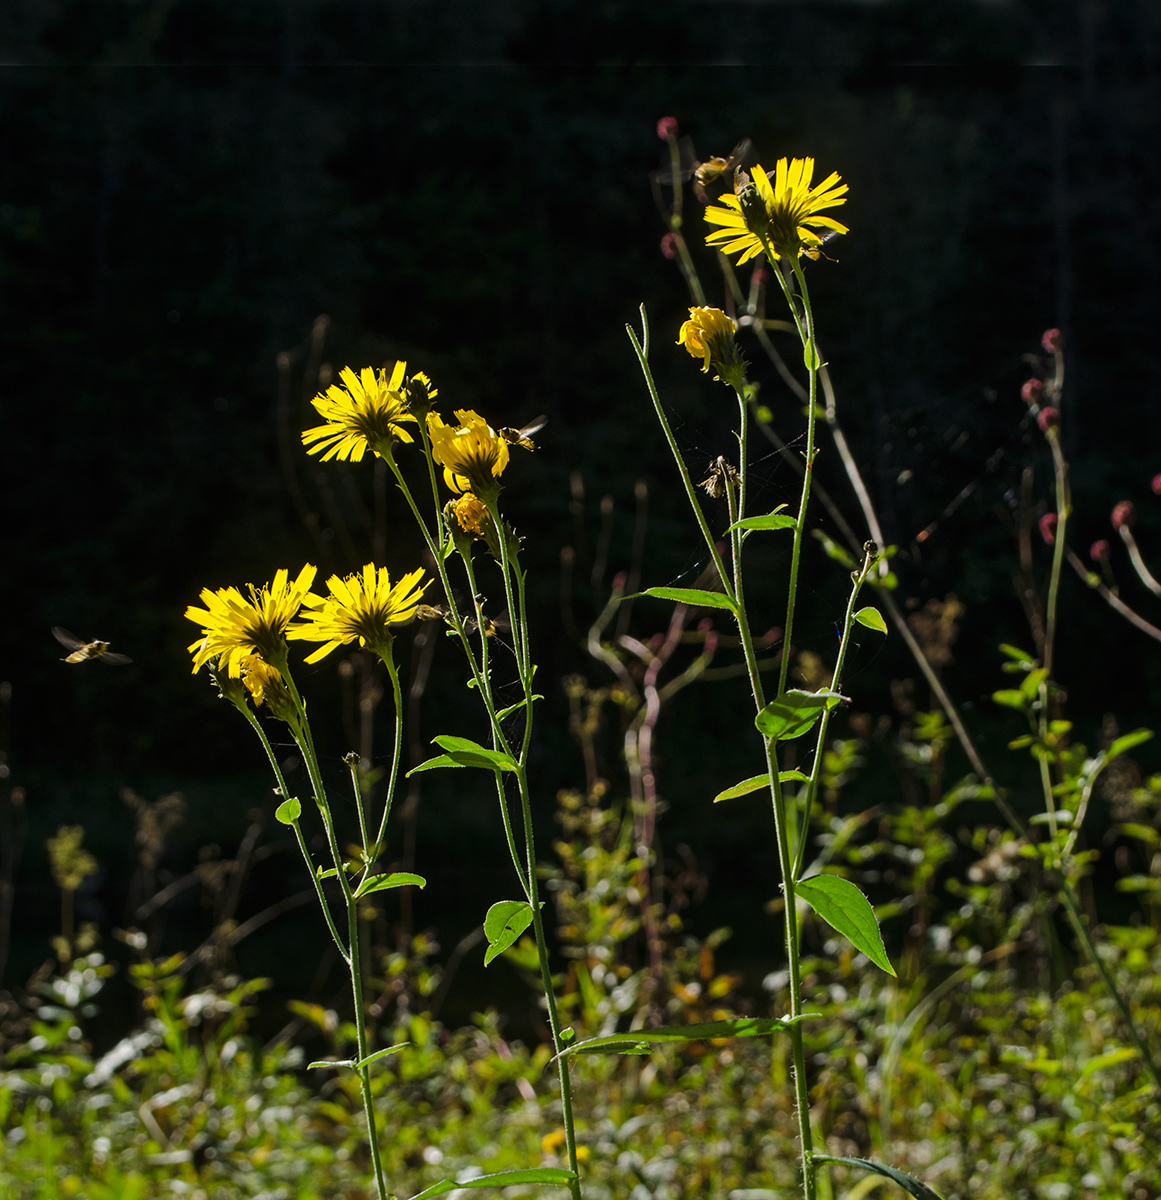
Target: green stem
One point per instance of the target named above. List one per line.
(397, 696)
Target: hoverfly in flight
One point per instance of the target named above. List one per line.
(704, 174)
(523, 435)
(81, 651)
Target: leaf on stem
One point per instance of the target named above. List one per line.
(288, 811)
(642, 1041)
(554, 1176)
(507, 712)
(845, 909)
(463, 752)
(793, 712)
(773, 520)
(505, 922)
(810, 357)
(909, 1183)
(691, 596)
(381, 883)
(365, 1062)
(1126, 742)
(756, 782)
(872, 618)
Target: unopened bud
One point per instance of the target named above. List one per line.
(1047, 525)
(669, 246)
(1099, 551)
(667, 128)
(1052, 340)
(1123, 514)
(619, 581)
(1047, 417)
(1032, 390)
(1156, 485)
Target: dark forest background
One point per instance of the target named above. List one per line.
(186, 186)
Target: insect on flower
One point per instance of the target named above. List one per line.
(82, 651)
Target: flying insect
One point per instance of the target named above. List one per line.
(82, 651)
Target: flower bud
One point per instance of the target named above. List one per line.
(1099, 551)
(1047, 525)
(1052, 340)
(1047, 417)
(667, 128)
(1156, 485)
(669, 246)
(1032, 390)
(1124, 514)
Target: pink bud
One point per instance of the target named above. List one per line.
(1123, 514)
(1099, 550)
(669, 245)
(1156, 485)
(1032, 390)
(1047, 525)
(1047, 417)
(772, 635)
(667, 128)
(619, 581)
(1052, 340)
(705, 624)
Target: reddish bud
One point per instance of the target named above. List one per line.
(619, 581)
(667, 128)
(1156, 485)
(669, 245)
(1124, 514)
(705, 624)
(1052, 340)
(772, 635)
(1047, 525)
(1047, 417)
(1032, 390)
(1099, 550)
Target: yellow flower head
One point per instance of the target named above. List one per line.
(366, 412)
(473, 455)
(782, 212)
(234, 627)
(419, 394)
(363, 606)
(266, 686)
(709, 335)
(471, 514)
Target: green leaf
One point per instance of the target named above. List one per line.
(833, 550)
(810, 357)
(1009, 698)
(772, 520)
(507, 712)
(1018, 655)
(463, 752)
(642, 1041)
(872, 619)
(381, 883)
(792, 713)
(365, 1062)
(505, 922)
(756, 782)
(554, 1176)
(1032, 681)
(907, 1182)
(1127, 742)
(844, 908)
(1111, 1059)
(691, 596)
(288, 811)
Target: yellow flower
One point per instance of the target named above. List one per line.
(266, 686)
(367, 412)
(709, 334)
(781, 212)
(234, 627)
(363, 606)
(471, 513)
(473, 455)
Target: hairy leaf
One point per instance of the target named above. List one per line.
(844, 908)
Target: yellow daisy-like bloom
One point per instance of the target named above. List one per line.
(366, 412)
(266, 686)
(471, 513)
(783, 212)
(234, 627)
(362, 606)
(473, 455)
(709, 335)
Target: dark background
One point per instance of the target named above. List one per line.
(186, 185)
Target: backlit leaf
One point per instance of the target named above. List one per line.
(844, 908)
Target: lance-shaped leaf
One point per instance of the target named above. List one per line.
(505, 922)
(691, 596)
(642, 1041)
(288, 811)
(909, 1183)
(554, 1176)
(756, 782)
(381, 883)
(844, 908)
(507, 712)
(793, 712)
(1127, 741)
(463, 752)
(772, 520)
(366, 1062)
(872, 618)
